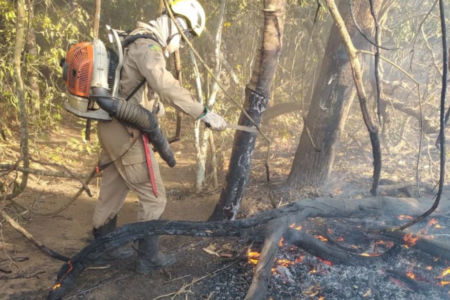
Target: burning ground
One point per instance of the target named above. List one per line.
(403, 272)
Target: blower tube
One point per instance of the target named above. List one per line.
(138, 117)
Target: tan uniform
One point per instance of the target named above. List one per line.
(143, 59)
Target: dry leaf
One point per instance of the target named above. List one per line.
(210, 251)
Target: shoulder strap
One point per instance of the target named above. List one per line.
(128, 41)
(132, 38)
(136, 89)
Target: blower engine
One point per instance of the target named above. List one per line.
(90, 65)
(92, 74)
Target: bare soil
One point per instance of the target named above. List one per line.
(69, 231)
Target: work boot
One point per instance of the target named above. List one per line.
(115, 253)
(149, 258)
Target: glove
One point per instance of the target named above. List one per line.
(213, 120)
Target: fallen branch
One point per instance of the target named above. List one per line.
(65, 206)
(45, 172)
(36, 274)
(88, 191)
(335, 255)
(47, 251)
(255, 226)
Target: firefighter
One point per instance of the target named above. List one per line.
(144, 58)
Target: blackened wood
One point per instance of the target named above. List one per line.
(262, 273)
(257, 94)
(255, 226)
(332, 97)
(335, 255)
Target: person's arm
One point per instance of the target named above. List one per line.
(151, 64)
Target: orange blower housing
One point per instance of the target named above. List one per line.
(77, 73)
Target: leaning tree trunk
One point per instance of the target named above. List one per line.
(257, 95)
(331, 99)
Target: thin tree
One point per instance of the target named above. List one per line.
(257, 94)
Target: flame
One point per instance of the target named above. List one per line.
(322, 298)
(410, 239)
(293, 226)
(411, 275)
(253, 257)
(445, 283)
(322, 238)
(405, 217)
(56, 286)
(444, 273)
(438, 226)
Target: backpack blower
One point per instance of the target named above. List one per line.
(91, 73)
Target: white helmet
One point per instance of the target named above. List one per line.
(193, 12)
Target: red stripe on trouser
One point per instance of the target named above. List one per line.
(148, 158)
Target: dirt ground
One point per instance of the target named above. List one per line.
(69, 231)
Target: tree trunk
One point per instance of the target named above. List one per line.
(32, 53)
(211, 100)
(20, 92)
(98, 5)
(257, 95)
(315, 154)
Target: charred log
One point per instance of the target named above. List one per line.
(268, 224)
(335, 255)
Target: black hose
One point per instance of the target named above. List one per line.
(138, 117)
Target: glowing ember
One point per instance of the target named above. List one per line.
(431, 223)
(280, 244)
(411, 275)
(340, 239)
(438, 226)
(370, 254)
(404, 217)
(410, 239)
(429, 268)
(253, 257)
(327, 262)
(322, 238)
(293, 226)
(322, 298)
(444, 273)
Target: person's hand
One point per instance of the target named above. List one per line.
(214, 121)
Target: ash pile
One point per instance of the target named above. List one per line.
(392, 268)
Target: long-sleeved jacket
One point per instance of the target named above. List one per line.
(144, 59)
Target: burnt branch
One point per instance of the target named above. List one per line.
(64, 174)
(47, 251)
(335, 255)
(268, 224)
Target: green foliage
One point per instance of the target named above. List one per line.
(55, 28)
